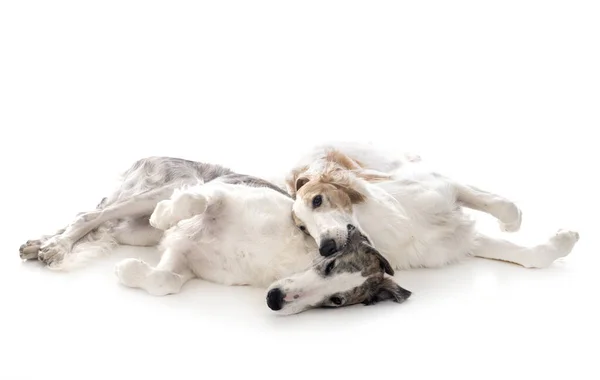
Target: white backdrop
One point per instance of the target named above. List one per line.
(504, 95)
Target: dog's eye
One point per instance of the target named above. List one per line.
(329, 267)
(316, 202)
(336, 300)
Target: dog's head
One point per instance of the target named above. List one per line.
(324, 206)
(355, 274)
(325, 195)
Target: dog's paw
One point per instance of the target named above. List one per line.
(29, 250)
(132, 272)
(161, 216)
(186, 205)
(559, 245)
(564, 241)
(53, 251)
(181, 207)
(510, 217)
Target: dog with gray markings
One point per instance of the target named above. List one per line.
(212, 223)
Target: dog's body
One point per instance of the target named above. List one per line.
(234, 234)
(241, 230)
(122, 217)
(411, 214)
(223, 227)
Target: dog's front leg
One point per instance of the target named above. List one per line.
(54, 249)
(508, 214)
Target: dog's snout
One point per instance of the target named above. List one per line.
(275, 299)
(328, 247)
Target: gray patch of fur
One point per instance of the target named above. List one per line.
(248, 180)
(151, 179)
(358, 255)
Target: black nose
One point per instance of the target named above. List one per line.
(328, 247)
(275, 299)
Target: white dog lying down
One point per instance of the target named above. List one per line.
(236, 229)
(233, 229)
(240, 235)
(413, 216)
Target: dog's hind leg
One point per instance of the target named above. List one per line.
(167, 278)
(31, 248)
(508, 214)
(540, 256)
(54, 250)
(183, 205)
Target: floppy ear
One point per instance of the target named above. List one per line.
(355, 196)
(384, 263)
(292, 181)
(345, 182)
(388, 290)
(301, 182)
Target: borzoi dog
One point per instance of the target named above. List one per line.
(223, 227)
(412, 215)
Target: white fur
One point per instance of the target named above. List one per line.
(416, 218)
(234, 235)
(243, 235)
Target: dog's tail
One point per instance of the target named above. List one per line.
(94, 244)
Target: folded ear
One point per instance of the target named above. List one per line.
(295, 179)
(301, 182)
(388, 290)
(384, 263)
(354, 195)
(346, 182)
